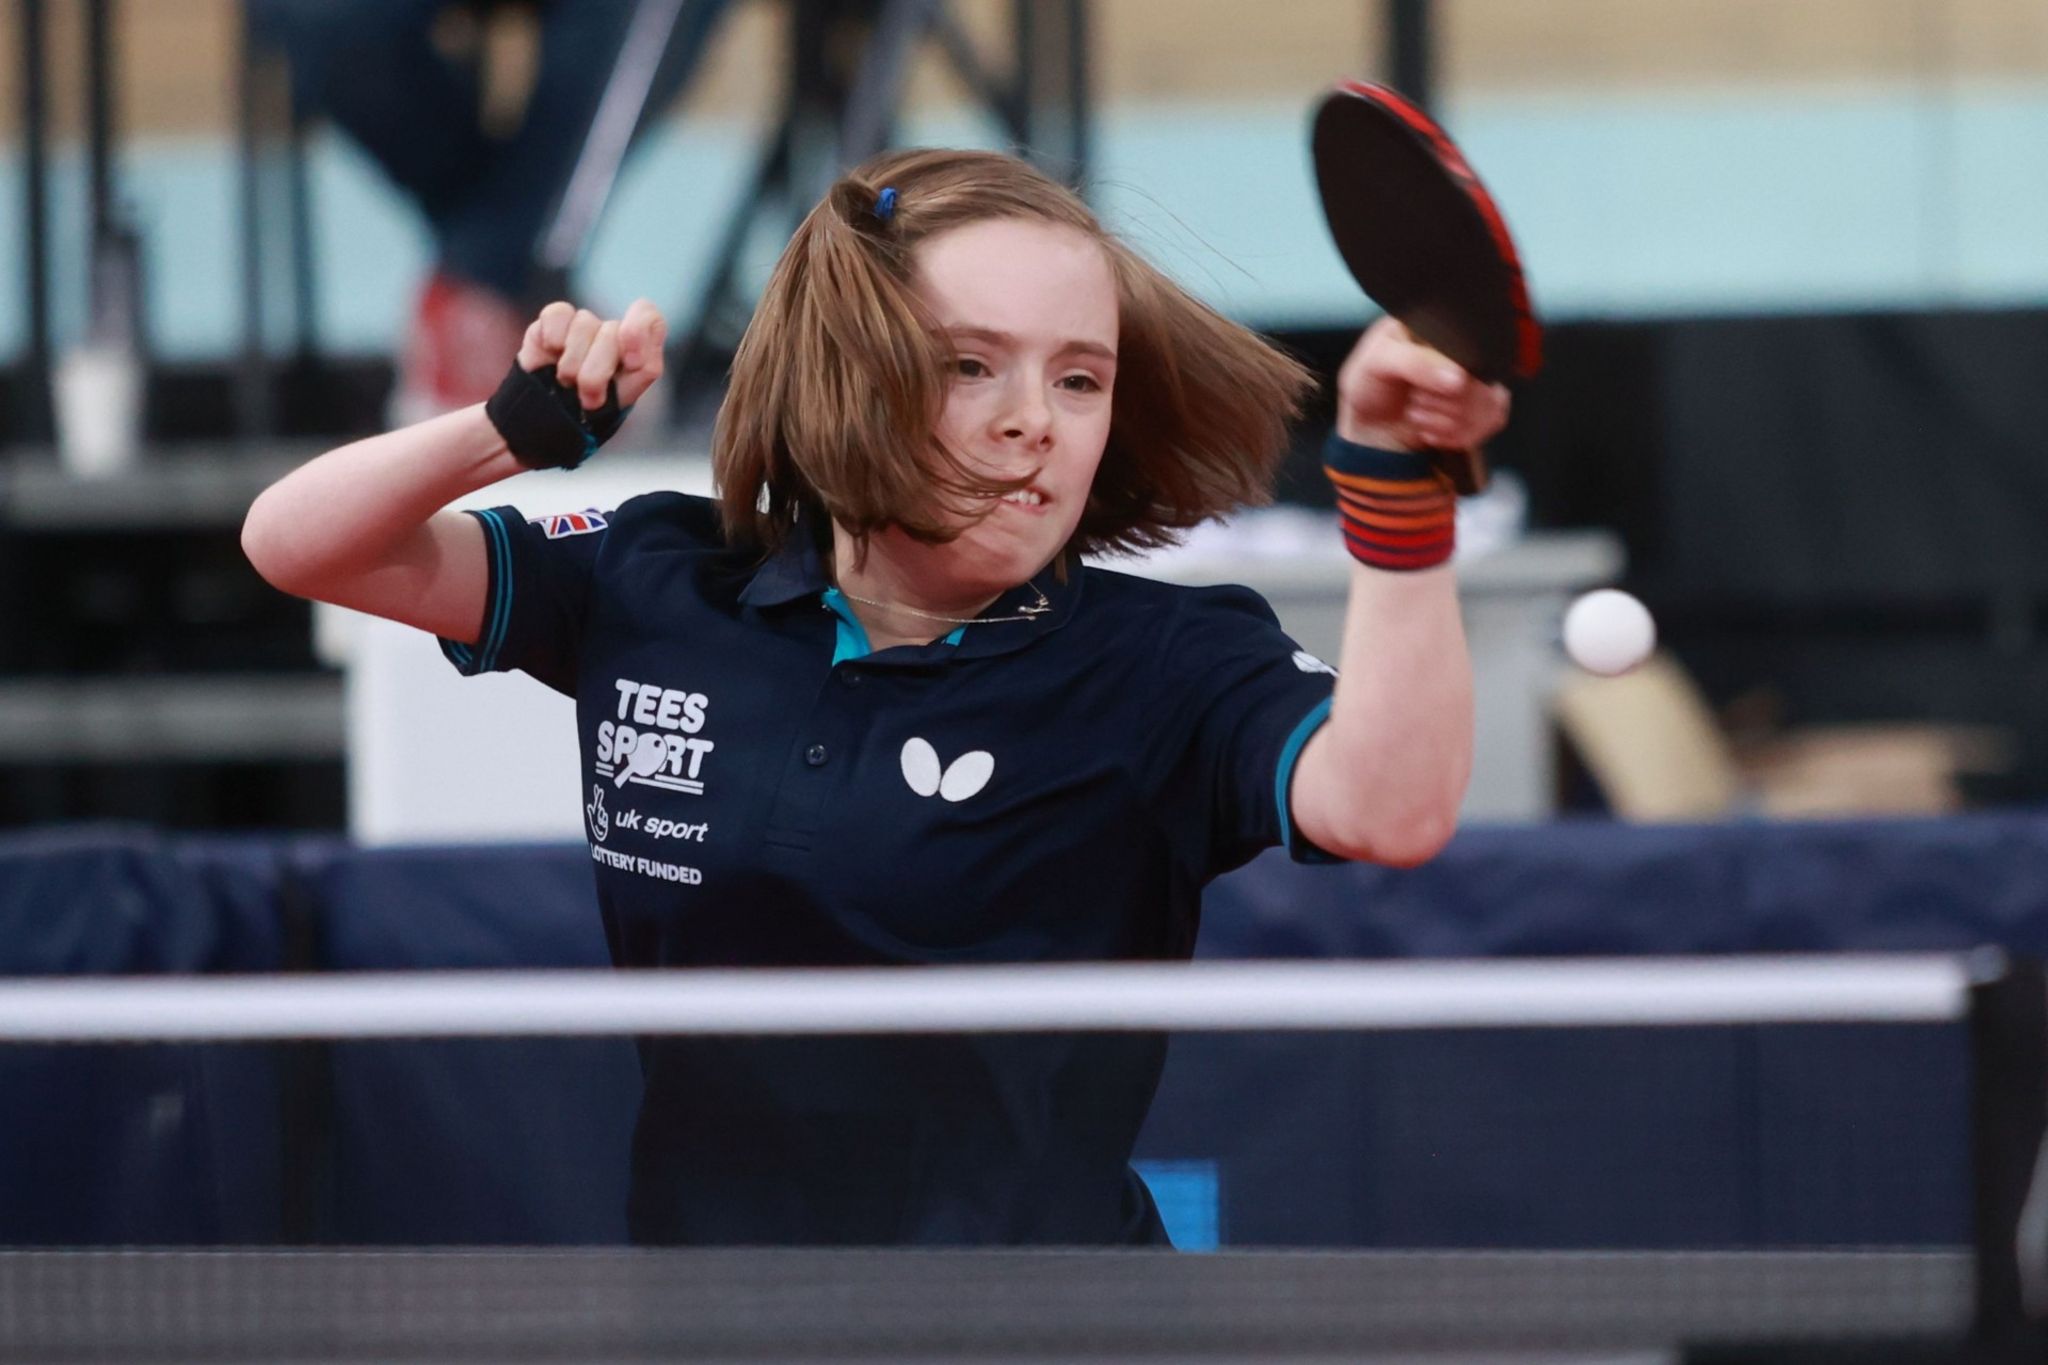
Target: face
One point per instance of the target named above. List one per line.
(1031, 311)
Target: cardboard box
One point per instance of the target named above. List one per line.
(1658, 753)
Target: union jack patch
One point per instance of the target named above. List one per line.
(571, 523)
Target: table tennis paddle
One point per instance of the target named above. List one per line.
(1424, 240)
(650, 751)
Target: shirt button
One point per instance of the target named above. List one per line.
(815, 755)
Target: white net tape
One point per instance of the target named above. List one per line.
(1202, 996)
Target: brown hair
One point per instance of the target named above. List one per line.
(842, 370)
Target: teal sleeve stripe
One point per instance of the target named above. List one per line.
(504, 591)
(493, 590)
(500, 614)
(1289, 754)
(461, 656)
(473, 661)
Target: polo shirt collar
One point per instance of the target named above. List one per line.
(999, 636)
(796, 571)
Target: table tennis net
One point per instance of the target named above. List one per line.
(1355, 1160)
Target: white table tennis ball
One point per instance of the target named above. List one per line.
(1608, 632)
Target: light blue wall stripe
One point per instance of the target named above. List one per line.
(1632, 204)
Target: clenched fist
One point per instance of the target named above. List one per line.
(574, 379)
(589, 353)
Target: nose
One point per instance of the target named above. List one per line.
(1026, 418)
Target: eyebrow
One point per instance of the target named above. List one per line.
(996, 337)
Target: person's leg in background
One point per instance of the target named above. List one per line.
(492, 235)
(486, 287)
(373, 67)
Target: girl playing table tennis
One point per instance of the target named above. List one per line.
(869, 706)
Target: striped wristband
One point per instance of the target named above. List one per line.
(1398, 509)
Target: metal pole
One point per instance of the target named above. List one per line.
(305, 294)
(1411, 49)
(2009, 1052)
(619, 111)
(99, 83)
(1025, 38)
(254, 412)
(36, 425)
(1052, 76)
(115, 302)
(1079, 107)
(868, 121)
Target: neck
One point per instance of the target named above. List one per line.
(911, 604)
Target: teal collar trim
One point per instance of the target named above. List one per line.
(796, 573)
(852, 641)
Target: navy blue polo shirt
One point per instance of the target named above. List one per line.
(762, 789)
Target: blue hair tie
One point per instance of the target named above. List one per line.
(885, 204)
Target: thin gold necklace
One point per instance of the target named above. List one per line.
(1030, 612)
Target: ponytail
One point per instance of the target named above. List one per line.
(838, 387)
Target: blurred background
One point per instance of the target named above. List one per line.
(1789, 253)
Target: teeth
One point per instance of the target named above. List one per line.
(1026, 496)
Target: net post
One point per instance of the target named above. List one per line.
(305, 1067)
(2009, 1113)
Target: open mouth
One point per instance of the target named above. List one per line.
(1028, 499)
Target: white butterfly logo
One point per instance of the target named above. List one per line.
(965, 776)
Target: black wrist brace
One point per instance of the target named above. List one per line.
(544, 424)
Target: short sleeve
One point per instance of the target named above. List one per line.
(1244, 701)
(534, 611)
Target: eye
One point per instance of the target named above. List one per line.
(1081, 383)
(967, 367)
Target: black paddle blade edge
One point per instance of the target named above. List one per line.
(1419, 232)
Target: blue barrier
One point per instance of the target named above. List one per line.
(1719, 1137)
(129, 1144)
(520, 1142)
